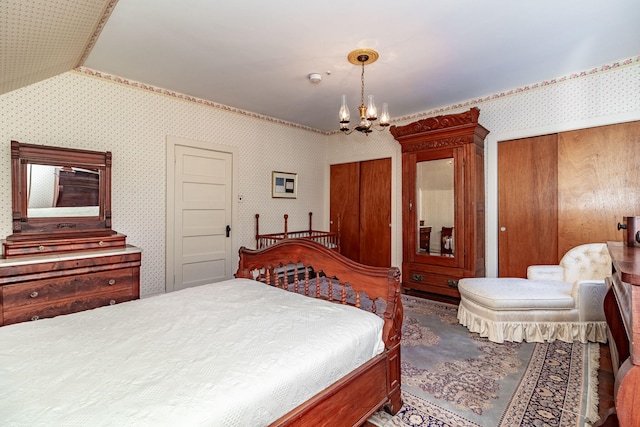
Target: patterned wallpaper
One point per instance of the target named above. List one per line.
(78, 110)
(75, 110)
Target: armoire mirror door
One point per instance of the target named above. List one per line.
(435, 207)
(434, 203)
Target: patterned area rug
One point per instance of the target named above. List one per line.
(451, 377)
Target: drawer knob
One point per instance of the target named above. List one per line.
(417, 277)
(33, 294)
(36, 317)
(100, 243)
(112, 282)
(112, 302)
(41, 248)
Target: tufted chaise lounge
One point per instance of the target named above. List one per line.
(556, 302)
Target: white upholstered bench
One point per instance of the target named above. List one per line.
(553, 303)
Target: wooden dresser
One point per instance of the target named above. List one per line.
(622, 309)
(37, 287)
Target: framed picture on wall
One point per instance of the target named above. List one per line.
(284, 185)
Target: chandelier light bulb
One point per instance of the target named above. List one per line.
(343, 114)
(372, 111)
(384, 116)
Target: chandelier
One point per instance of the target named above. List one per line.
(368, 113)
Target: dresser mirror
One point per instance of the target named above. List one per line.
(59, 192)
(62, 191)
(435, 207)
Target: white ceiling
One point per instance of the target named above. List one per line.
(257, 55)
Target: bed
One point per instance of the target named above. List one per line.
(179, 358)
(330, 239)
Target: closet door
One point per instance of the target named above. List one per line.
(598, 183)
(527, 204)
(556, 192)
(361, 195)
(375, 212)
(345, 204)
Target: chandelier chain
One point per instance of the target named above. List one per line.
(362, 85)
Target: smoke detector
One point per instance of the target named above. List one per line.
(315, 77)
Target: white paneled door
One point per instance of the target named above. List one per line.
(202, 216)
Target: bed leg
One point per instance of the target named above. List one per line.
(395, 403)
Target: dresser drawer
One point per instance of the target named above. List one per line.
(436, 281)
(47, 286)
(46, 247)
(17, 314)
(49, 290)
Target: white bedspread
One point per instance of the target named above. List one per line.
(235, 353)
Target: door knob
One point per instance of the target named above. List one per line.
(503, 228)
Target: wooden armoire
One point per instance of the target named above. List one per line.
(442, 196)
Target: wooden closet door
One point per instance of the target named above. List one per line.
(345, 202)
(598, 183)
(361, 195)
(375, 212)
(527, 204)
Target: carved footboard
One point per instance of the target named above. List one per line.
(309, 268)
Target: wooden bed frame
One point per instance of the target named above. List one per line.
(330, 239)
(376, 384)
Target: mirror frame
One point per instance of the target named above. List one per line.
(25, 228)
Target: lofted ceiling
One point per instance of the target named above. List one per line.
(257, 55)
